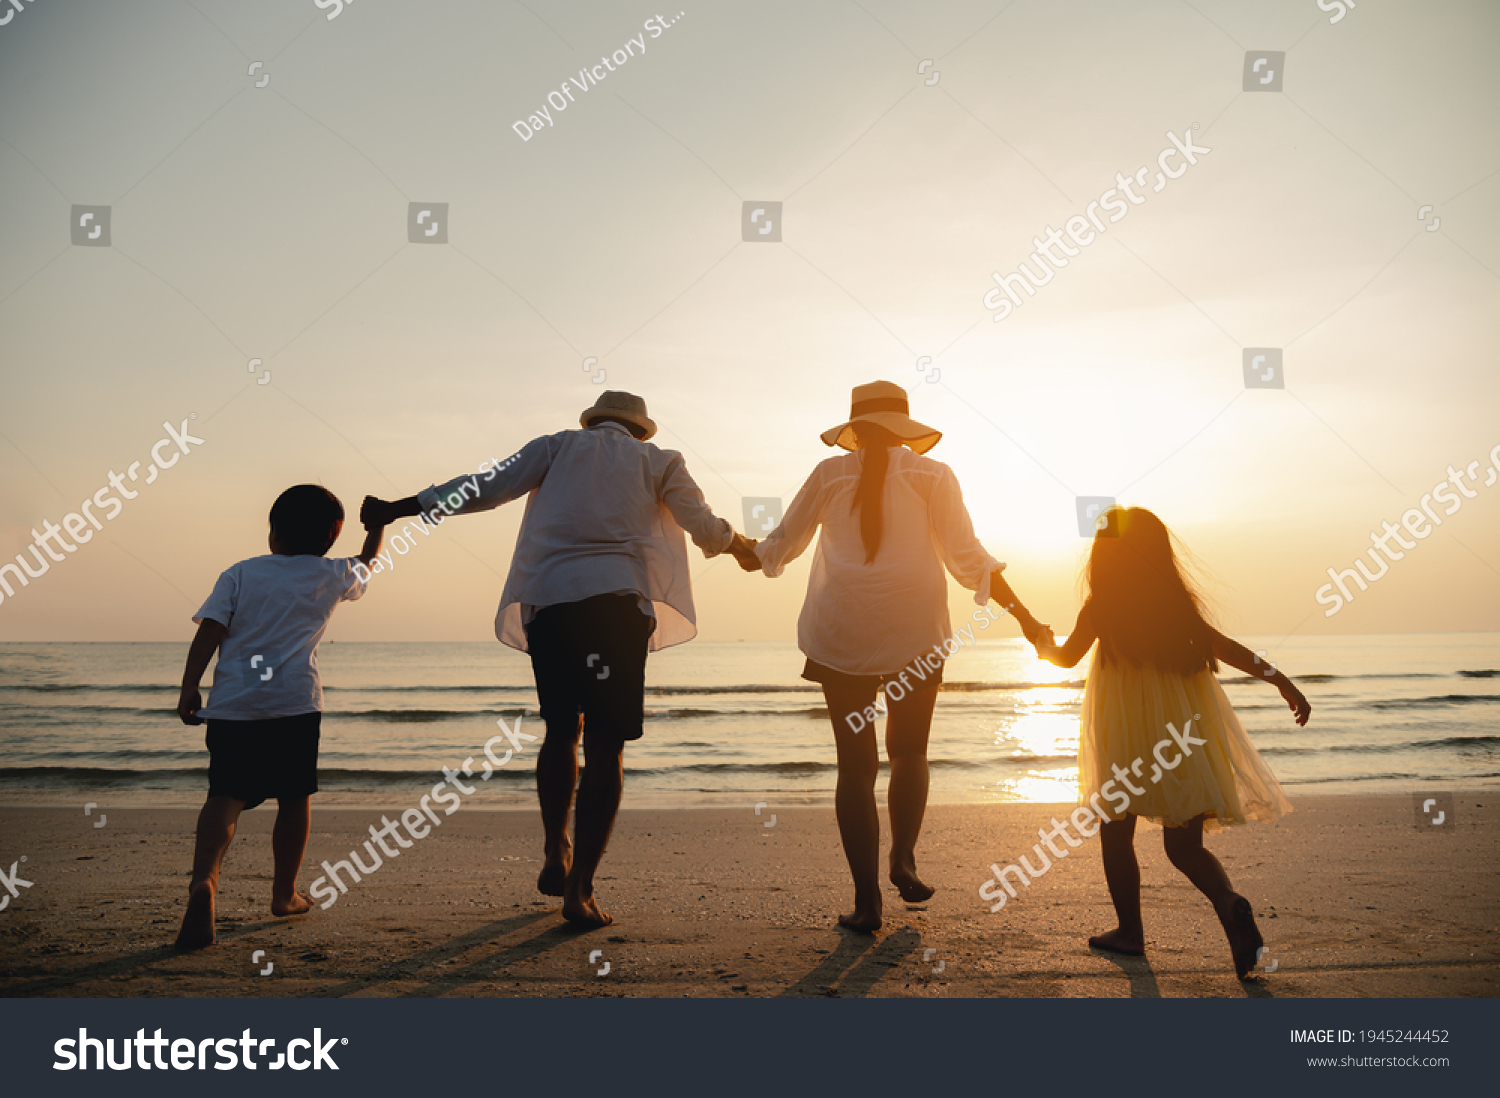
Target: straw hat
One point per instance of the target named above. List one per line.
(622, 405)
(884, 404)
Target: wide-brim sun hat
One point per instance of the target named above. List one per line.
(621, 405)
(883, 403)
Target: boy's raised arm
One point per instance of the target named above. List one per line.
(374, 532)
(210, 633)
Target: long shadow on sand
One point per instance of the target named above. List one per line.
(119, 966)
(485, 969)
(1137, 970)
(873, 962)
(406, 968)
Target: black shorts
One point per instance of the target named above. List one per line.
(589, 658)
(254, 761)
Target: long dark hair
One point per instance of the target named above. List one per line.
(1145, 608)
(869, 495)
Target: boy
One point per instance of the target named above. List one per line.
(266, 616)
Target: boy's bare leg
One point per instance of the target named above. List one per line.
(598, 802)
(556, 775)
(216, 824)
(289, 844)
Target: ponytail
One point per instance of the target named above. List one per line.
(869, 494)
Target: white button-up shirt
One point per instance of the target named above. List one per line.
(875, 619)
(606, 514)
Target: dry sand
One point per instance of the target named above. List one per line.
(1353, 899)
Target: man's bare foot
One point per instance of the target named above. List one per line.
(584, 912)
(911, 887)
(1117, 941)
(198, 921)
(297, 905)
(550, 881)
(1244, 936)
(863, 919)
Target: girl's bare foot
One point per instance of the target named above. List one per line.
(198, 921)
(1117, 941)
(297, 905)
(1244, 936)
(584, 911)
(911, 887)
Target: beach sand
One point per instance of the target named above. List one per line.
(1353, 899)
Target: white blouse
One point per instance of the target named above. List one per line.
(605, 514)
(874, 619)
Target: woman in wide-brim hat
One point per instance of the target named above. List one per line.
(876, 616)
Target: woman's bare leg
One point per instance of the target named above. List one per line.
(859, 819)
(906, 733)
(1123, 875)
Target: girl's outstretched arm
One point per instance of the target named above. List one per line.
(1077, 645)
(1236, 655)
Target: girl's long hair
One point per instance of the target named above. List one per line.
(1143, 605)
(869, 494)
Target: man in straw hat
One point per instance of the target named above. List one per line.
(599, 577)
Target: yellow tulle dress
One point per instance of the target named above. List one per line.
(1126, 714)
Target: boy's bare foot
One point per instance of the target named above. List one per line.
(1117, 941)
(1244, 936)
(198, 921)
(552, 877)
(584, 911)
(863, 919)
(911, 887)
(297, 905)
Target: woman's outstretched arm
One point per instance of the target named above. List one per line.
(1236, 655)
(1001, 592)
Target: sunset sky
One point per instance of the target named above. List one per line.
(271, 223)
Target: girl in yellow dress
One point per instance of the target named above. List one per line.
(1159, 738)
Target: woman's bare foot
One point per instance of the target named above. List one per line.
(911, 887)
(198, 921)
(584, 911)
(297, 905)
(1117, 941)
(1244, 936)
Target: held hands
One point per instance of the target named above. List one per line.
(188, 704)
(375, 514)
(743, 551)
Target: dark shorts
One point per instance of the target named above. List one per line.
(827, 676)
(255, 761)
(589, 659)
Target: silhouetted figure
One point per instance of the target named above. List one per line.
(1159, 738)
(599, 577)
(876, 617)
(265, 617)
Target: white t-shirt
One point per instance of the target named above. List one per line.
(276, 609)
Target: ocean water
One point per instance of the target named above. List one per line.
(732, 724)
